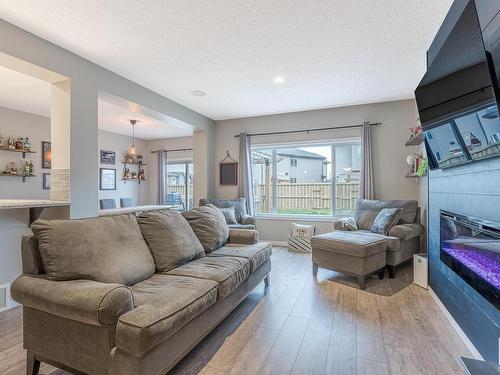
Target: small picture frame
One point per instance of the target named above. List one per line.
(46, 181)
(107, 179)
(108, 157)
(46, 155)
(228, 173)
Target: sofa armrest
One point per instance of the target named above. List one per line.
(243, 236)
(407, 231)
(86, 301)
(247, 220)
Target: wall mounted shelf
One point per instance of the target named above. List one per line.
(137, 163)
(415, 176)
(133, 179)
(416, 140)
(18, 176)
(24, 152)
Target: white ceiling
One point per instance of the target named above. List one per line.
(116, 119)
(24, 93)
(331, 53)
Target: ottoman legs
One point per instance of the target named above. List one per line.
(361, 282)
(392, 272)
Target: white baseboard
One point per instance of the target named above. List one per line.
(461, 333)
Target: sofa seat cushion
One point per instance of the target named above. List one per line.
(358, 244)
(164, 304)
(393, 243)
(108, 249)
(257, 253)
(229, 272)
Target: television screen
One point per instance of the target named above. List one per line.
(445, 147)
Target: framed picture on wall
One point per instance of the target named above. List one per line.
(46, 181)
(228, 171)
(107, 179)
(108, 157)
(46, 155)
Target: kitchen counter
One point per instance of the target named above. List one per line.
(9, 204)
(35, 206)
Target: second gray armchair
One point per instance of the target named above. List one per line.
(244, 221)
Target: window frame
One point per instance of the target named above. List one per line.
(314, 217)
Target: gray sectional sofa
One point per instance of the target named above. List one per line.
(362, 252)
(131, 295)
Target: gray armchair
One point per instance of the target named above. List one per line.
(245, 221)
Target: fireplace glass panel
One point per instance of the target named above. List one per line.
(471, 248)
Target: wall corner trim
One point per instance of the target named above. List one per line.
(456, 327)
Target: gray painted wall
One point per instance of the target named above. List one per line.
(389, 152)
(124, 189)
(87, 81)
(15, 123)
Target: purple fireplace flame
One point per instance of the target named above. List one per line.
(485, 264)
(470, 247)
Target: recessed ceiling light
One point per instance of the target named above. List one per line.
(279, 79)
(197, 93)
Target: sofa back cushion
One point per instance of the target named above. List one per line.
(367, 210)
(170, 238)
(209, 225)
(107, 249)
(239, 205)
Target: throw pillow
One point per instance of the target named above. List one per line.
(170, 238)
(108, 249)
(345, 224)
(386, 219)
(239, 205)
(229, 215)
(209, 225)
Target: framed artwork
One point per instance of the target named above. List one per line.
(108, 157)
(107, 179)
(46, 155)
(46, 181)
(228, 171)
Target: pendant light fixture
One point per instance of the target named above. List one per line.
(133, 152)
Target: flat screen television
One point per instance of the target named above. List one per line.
(457, 97)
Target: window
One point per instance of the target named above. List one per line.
(179, 184)
(318, 179)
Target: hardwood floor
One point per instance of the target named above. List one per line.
(308, 325)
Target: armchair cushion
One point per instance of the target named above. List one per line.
(108, 249)
(247, 220)
(239, 205)
(229, 215)
(386, 219)
(83, 300)
(170, 238)
(407, 231)
(367, 210)
(243, 236)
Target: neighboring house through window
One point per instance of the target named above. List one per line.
(316, 179)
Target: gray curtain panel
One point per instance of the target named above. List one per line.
(245, 186)
(162, 161)
(366, 180)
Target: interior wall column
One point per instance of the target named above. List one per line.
(201, 161)
(60, 116)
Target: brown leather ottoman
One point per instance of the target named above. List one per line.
(357, 253)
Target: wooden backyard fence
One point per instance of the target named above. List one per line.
(316, 196)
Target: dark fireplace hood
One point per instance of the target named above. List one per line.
(458, 95)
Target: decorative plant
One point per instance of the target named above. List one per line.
(422, 168)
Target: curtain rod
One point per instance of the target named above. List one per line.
(175, 150)
(309, 130)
